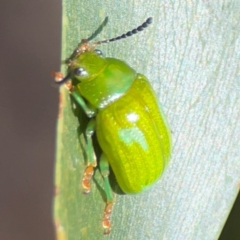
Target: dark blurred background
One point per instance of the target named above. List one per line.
(30, 39)
(30, 49)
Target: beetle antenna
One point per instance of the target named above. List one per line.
(129, 33)
(59, 79)
(99, 29)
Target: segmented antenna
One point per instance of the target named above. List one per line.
(128, 34)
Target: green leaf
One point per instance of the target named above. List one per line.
(191, 56)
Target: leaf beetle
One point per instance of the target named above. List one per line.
(124, 113)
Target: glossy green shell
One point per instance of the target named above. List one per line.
(130, 127)
(134, 136)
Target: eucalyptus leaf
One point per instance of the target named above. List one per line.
(191, 55)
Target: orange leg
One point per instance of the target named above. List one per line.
(104, 168)
(88, 173)
(106, 218)
(92, 163)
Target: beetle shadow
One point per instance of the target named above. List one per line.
(99, 29)
(94, 34)
(81, 130)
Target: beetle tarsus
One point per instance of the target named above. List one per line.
(88, 173)
(58, 76)
(106, 218)
(68, 85)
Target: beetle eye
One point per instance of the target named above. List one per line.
(98, 52)
(80, 72)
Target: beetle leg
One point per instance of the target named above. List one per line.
(90, 112)
(92, 163)
(104, 168)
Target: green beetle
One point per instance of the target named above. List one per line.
(124, 112)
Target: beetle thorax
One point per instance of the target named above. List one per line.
(108, 84)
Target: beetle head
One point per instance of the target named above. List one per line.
(84, 64)
(87, 65)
